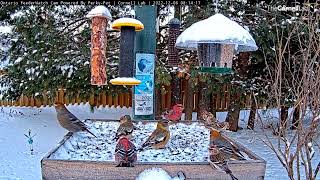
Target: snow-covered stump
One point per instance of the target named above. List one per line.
(81, 156)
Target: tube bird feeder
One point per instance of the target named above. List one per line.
(99, 18)
(174, 32)
(127, 27)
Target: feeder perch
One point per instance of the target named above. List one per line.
(99, 18)
(216, 39)
(128, 27)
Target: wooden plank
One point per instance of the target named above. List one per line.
(109, 100)
(116, 101)
(21, 101)
(97, 100)
(25, 100)
(31, 102)
(91, 100)
(121, 99)
(78, 99)
(126, 100)
(38, 102)
(45, 99)
(169, 93)
(79, 170)
(103, 99)
(130, 99)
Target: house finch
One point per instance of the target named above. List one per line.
(159, 137)
(219, 160)
(125, 152)
(211, 121)
(229, 149)
(125, 128)
(69, 121)
(173, 114)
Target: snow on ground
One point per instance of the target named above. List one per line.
(18, 163)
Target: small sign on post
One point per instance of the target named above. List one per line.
(143, 93)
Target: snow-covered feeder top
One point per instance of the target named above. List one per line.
(216, 29)
(129, 22)
(125, 81)
(101, 11)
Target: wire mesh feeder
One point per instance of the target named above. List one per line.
(215, 58)
(216, 39)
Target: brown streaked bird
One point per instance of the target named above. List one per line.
(219, 160)
(125, 128)
(211, 121)
(125, 152)
(230, 150)
(159, 137)
(69, 121)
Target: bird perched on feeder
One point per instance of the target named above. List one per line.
(125, 152)
(211, 121)
(219, 160)
(230, 150)
(174, 114)
(159, 137)
(69, 121)
(125, 128)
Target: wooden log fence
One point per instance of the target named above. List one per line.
(220, 100)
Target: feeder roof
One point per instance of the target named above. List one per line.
(101, 11)
(117, 24)
(125, 81)
(216, 29)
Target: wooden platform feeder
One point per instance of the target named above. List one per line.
(52, 169)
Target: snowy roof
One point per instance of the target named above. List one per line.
(100, 11)
(216, 29)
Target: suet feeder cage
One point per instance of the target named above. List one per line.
(127, 27)
(174, 32)
(99, 18)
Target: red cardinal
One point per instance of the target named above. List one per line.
(174, 114)
(125, 152)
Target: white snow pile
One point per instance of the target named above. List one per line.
(188, 143)
(100, 11)
(156, 174)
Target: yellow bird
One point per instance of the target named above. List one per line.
(159, 137)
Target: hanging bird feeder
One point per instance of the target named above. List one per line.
(99, 17)
(216, 39)
(128, 27)
(174, 32)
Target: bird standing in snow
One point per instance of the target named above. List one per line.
(219, 161)
(230, 150)
(174, 114)
(69, 121)
(211, 121)
(125, 152)
(125, 128)
(159, 137)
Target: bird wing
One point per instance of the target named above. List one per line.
(157, 136)
(125, 129)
